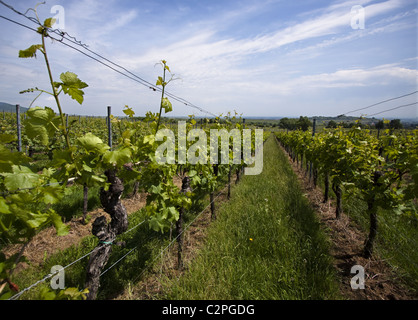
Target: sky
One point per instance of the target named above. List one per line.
(260, 58)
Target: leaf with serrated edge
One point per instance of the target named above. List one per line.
(30, 52)
(72, 86)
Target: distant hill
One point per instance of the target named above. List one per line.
(10, 107)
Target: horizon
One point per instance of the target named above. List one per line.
(264, 59)
(317, 117)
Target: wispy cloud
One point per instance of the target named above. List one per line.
(232, 52)
(377, 76)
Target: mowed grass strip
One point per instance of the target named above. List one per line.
(266, 244)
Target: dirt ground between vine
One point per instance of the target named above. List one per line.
(46, 242)
(347, 245)
(165, 269)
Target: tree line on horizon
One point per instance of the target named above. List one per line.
(303, 123)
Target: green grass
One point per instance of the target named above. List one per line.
(266, 244)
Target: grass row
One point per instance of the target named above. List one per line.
(266, 244)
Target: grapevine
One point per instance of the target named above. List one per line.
(88, 161)
(353, 160)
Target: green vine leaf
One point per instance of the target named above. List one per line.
(49, 22)
(166, 104)
(30, 52)
(4, 208)
(21, 178)
(61, 228)
(118, 157)
(160, 81)
(92, 143)
(72, 86)
(129, 112)
(41, 123)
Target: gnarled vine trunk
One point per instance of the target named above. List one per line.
(368, 248)
(106, 232)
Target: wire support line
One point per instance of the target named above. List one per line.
(133, 76)
(65, 36)
(133, 228)
(18, 23)
(381, 102)
(35, 21)
(119, 260)
(48, 276)
(402, 106)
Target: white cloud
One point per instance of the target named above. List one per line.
(219, 67)
(382, 75)
(377, 76)
(206, 54)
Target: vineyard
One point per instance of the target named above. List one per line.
(147, 225)
(377, 176)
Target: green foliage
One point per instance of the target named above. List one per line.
(41, 124)
(72, 86)
(129, 112)
(83, 158)
(31, 51)
(332, 124)
(66, 294)
(383, 172)
(166, 105)
(303, 123)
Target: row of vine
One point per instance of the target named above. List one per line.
(381, 171)
(88, 161)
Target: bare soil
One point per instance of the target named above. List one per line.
(46, 242)
(166, 269)
(348, 241)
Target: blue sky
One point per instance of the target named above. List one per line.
(260, 58)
